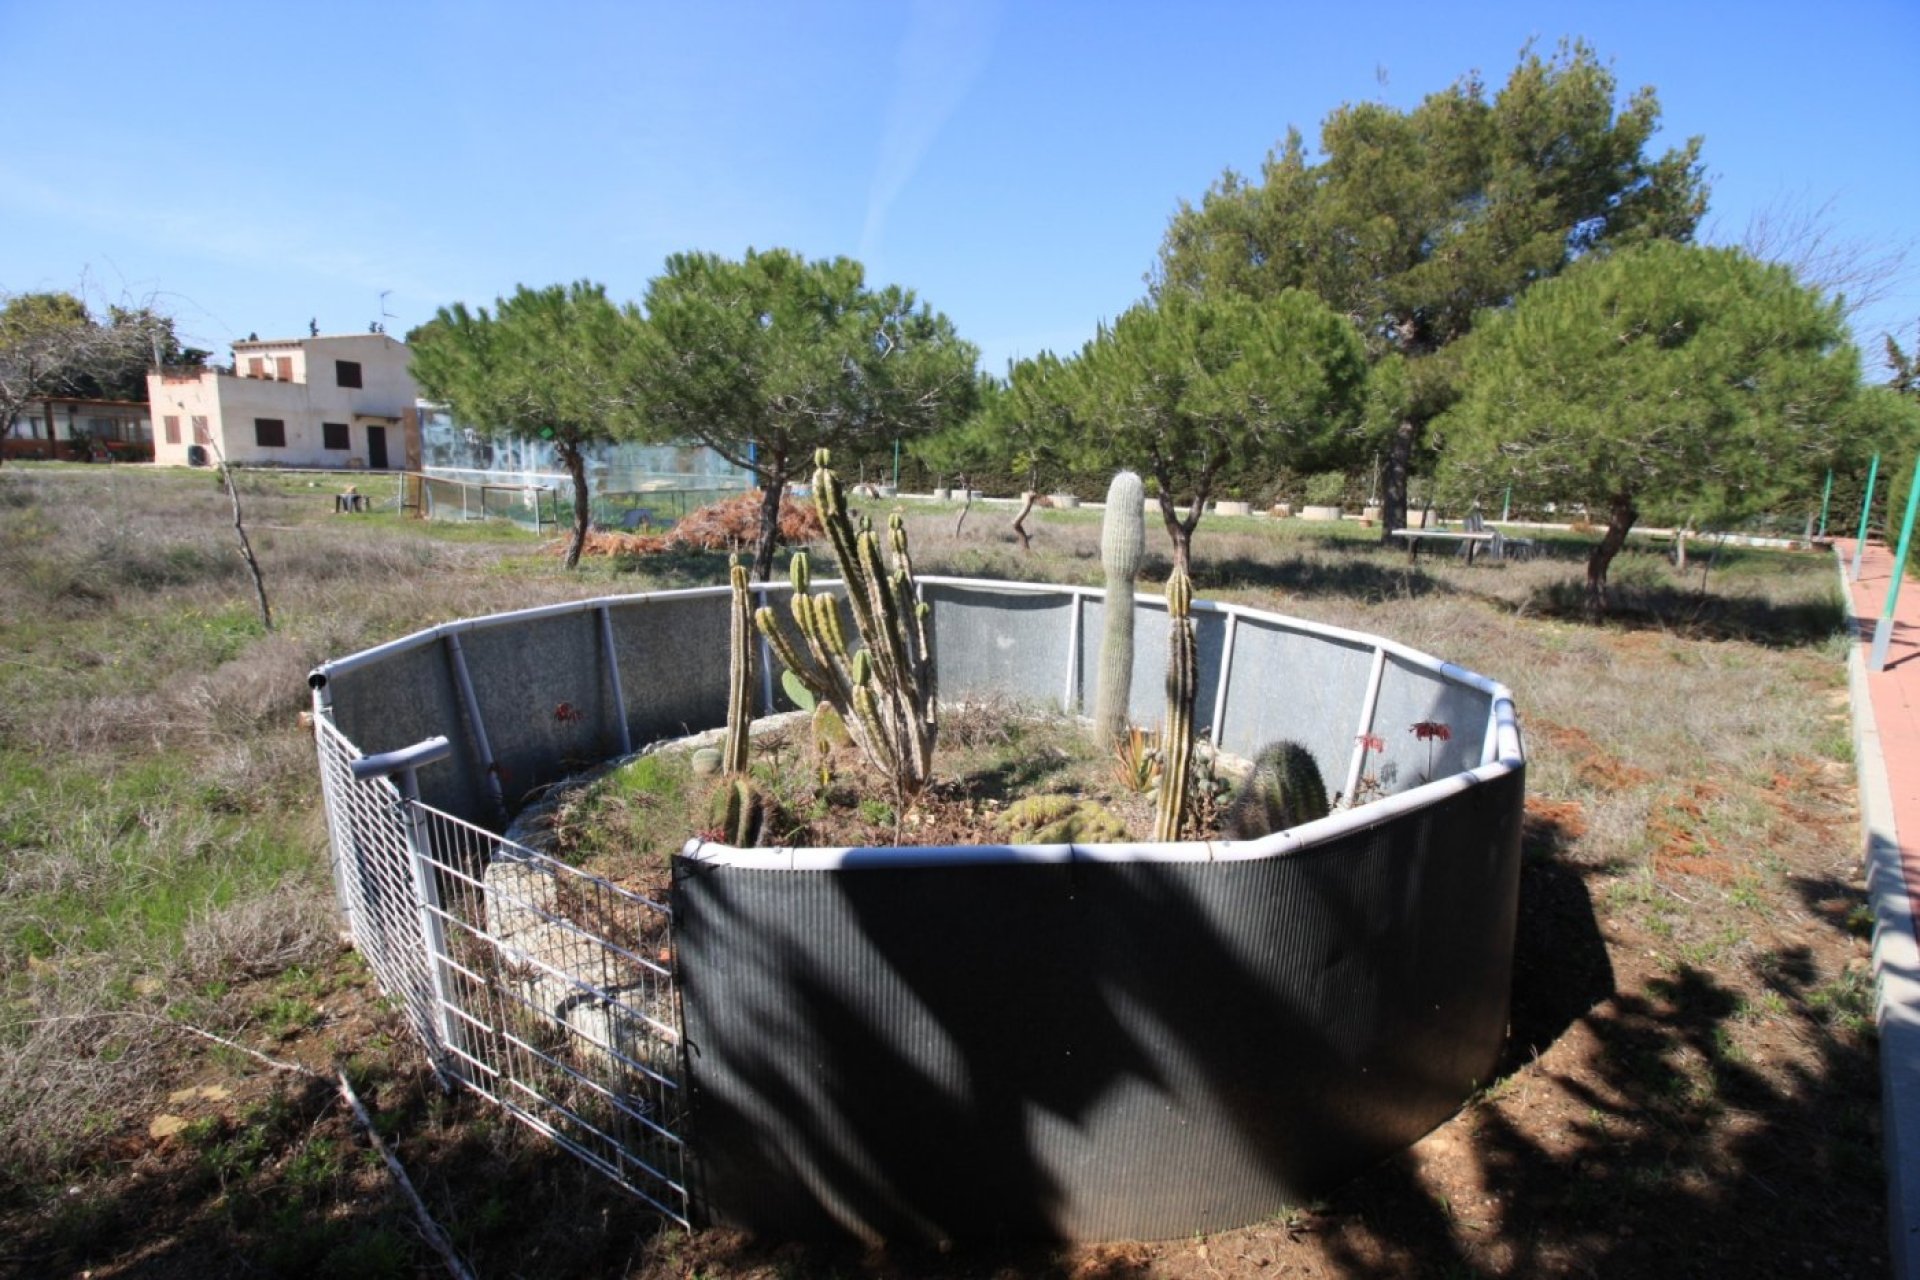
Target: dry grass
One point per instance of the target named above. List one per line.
(1687, 1021)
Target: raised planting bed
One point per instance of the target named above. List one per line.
(967, 1038)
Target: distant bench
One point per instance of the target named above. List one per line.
(1469, 541)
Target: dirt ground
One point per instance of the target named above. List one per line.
(1685, 1093)
(1690, 1088)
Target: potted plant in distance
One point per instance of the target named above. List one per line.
(1324, 493)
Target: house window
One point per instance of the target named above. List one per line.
(200, 433)
(283, 368)
(172, 422)
(346, 373)
(333, 435)
(256, 367)
(270, 433)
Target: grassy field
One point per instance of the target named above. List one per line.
(1691, 1082)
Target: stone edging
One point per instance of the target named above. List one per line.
(1896, 968)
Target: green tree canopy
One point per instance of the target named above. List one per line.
(544, 363)
(1190, 389)
(767, 359)
(51, 345)
(1698, 378)
(1412, 223)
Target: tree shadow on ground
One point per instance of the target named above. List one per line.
(1674, 1155)
(1694, 615)
(1365, 579)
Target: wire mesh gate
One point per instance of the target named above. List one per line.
(542, 988)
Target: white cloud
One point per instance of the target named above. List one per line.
(945, 47)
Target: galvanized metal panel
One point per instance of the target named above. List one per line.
(1289, 684)
(1410, 696)
(673, 664)
(542, 690)
(1090, 1050)
(403, 699)
(1006, 643)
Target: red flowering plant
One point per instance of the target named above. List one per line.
(1430, 732)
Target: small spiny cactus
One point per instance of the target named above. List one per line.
(1284, 790)
(741, 812)
(1123, 540)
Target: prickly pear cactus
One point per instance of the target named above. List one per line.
(1284, 790)
(1123, 541)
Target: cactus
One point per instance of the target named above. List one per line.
(1176, 736)
(733, 751)
(829, 732)
(1284, 790)
(1123, 540)
(884, 690)
(741, 812)
(1058, 819)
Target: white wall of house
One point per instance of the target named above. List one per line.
(239, 409)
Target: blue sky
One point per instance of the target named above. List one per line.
(252, 167)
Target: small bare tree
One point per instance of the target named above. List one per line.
(1804, 237)
(240, 530)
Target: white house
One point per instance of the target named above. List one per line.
(342, 401)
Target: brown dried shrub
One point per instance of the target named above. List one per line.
(729, 525)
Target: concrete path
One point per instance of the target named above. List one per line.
(1886, 731)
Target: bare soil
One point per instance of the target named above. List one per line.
(1691, 1084)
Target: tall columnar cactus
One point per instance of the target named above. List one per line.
(1176, 737)
(733, 753)
(884, 690)
(1123, 540)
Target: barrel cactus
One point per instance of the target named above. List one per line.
(1284, 790)
(1123, 540)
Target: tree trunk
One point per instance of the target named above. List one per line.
(1393, 485)
(773, 483)
(582, 500)
(1020, 523)
(1179, 532)
(1621, 521)
(246, 546)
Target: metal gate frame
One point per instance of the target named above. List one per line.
(546, 990)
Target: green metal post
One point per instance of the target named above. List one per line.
(1883, 630)
(1826, 497)
(1866, 509)
(1506, 504)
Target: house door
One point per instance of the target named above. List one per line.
(377, 448)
